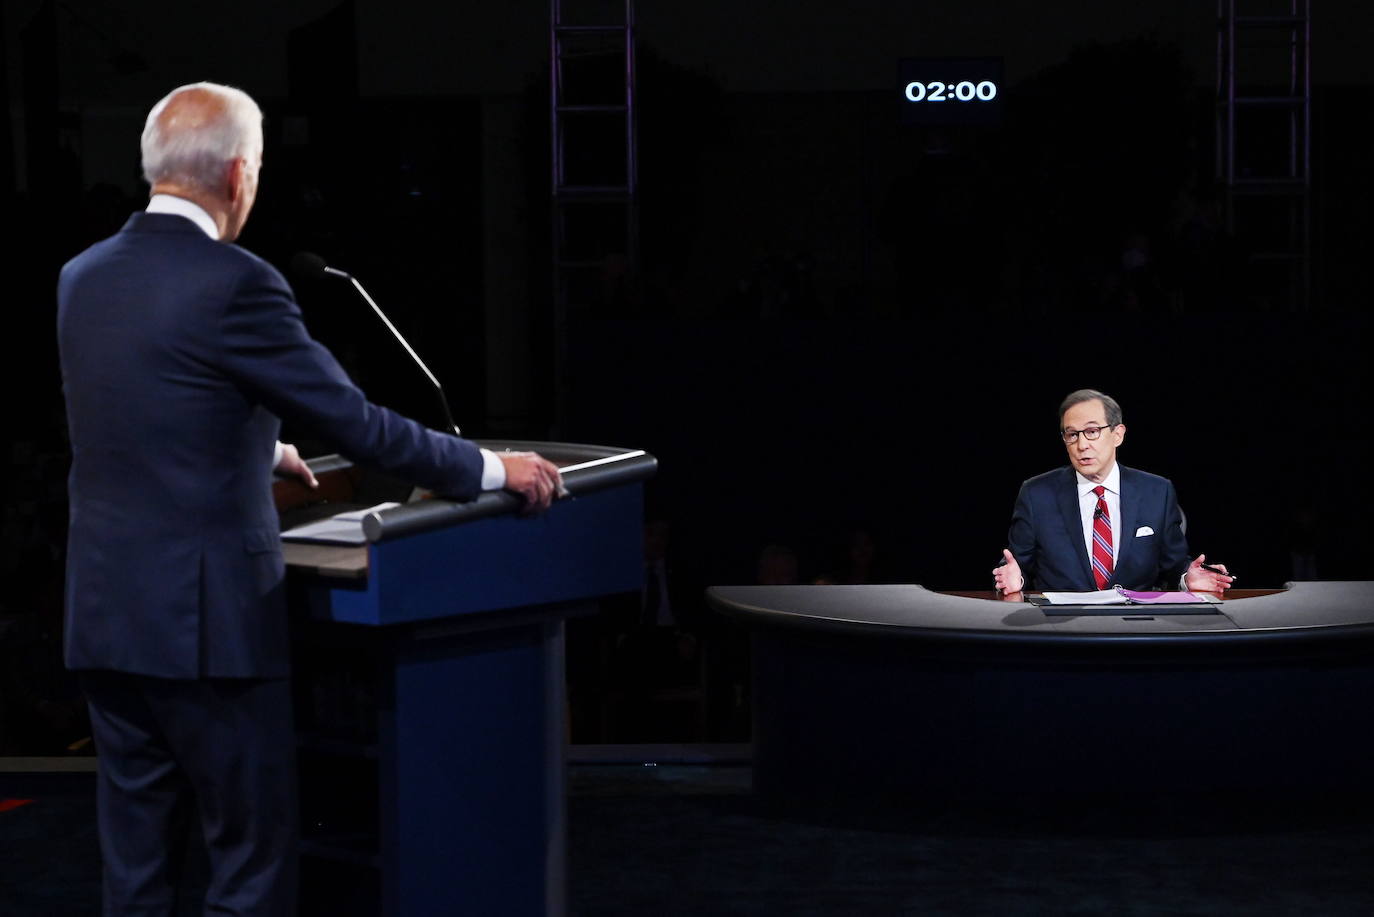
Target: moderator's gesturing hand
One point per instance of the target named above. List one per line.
(293, 466)
(1209, 578)
(533, 477)
(1007, 577)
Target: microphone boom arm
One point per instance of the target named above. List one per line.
(439, 389)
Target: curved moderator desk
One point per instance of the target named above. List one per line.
(896, 691)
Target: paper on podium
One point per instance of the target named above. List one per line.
(343, 528)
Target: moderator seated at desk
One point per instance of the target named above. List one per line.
(1093, 523)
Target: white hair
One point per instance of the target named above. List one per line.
(197, 156)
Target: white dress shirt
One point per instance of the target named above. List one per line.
(493, 471)
(180, 206)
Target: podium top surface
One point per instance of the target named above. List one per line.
(586, 469)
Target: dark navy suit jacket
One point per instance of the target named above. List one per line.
(179, 354)
(1046, 535)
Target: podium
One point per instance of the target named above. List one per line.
(430, 695)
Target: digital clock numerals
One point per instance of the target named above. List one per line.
(963, 91)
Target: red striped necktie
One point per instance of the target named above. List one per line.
(1102, 540)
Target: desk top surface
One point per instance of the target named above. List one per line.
(1317, 610)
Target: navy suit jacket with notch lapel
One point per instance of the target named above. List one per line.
(1046, 536)
(179, 355)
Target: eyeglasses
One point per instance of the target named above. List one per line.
(1089, 433)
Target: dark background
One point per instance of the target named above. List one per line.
(840, 323)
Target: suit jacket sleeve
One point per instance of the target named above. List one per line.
(266, 350)
(1173, 556)
(1021, 537)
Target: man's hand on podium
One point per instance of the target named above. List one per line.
(533, 477)
(1007, 575)
(292, 465)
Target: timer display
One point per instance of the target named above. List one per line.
(964, 91)
(954, 90)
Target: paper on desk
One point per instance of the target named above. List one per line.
(343, 528)
(1101, 597)
(1136, 597)
(1119, 595)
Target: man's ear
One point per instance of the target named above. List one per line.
(1120, 433)
(233, 179)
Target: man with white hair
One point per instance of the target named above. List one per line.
(180, 352)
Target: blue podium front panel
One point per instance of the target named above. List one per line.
(581, 548)
(472, 775)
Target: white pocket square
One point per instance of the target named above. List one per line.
(1143, 531)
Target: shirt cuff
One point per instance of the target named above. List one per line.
(277, 454)
(493, 471)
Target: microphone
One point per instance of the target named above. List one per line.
(309, 264)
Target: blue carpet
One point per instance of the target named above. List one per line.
(692, 840)
(48, 849)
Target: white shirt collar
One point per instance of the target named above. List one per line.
(180, 206)
(1112, 482)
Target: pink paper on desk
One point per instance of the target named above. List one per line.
(1161, 598)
